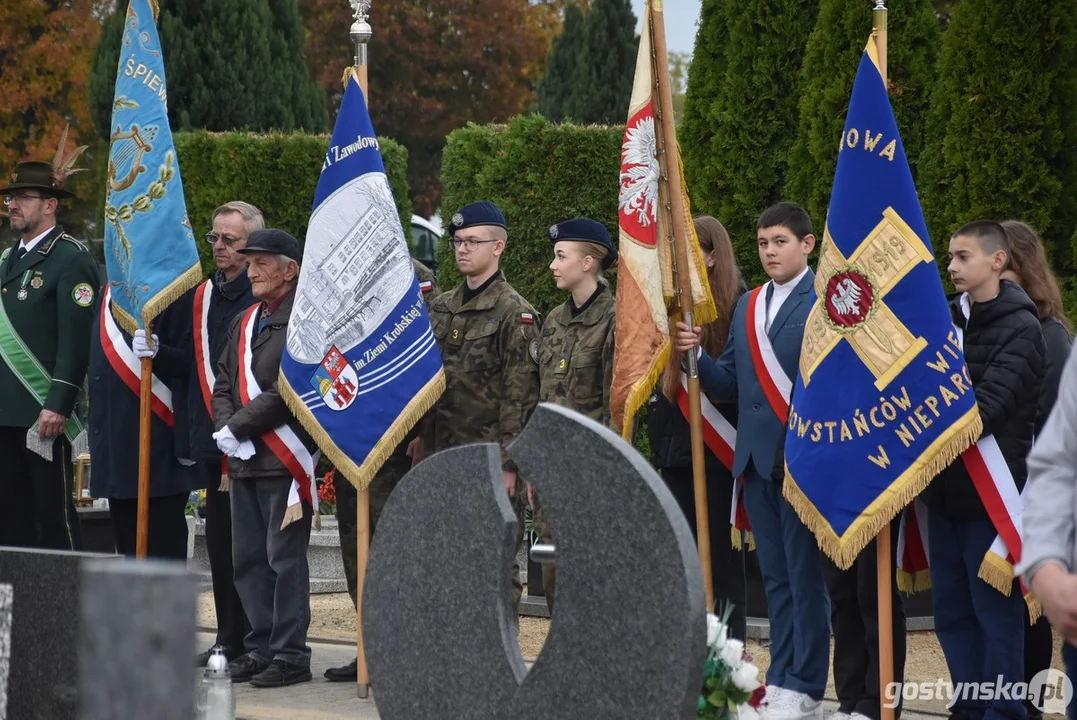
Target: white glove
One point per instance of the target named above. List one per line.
(226, 441)
(245, 451)
(141, 347)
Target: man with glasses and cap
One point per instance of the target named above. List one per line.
(488, 336)
(48, 292)
(205, 313)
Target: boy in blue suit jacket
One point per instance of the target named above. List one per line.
(757, 369)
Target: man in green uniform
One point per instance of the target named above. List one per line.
(488, 336)
(383, 484)
(48, 293)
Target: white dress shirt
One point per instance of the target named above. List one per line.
(781, 292)
(34, 243)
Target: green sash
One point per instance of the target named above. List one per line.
(25, 366)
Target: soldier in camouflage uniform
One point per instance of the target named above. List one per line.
(488, 336)
(576, 349)
(381, 487)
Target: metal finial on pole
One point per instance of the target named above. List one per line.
(360, 30)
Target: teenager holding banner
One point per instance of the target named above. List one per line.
(668, 429)
(756, 369)
(979, 615)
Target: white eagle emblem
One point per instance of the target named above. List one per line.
(639, 172)
(846, 297)
(553, 232)
(457, 220)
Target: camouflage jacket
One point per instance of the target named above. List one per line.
(489, 347)
(576, 358)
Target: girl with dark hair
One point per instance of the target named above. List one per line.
(668, 431)
(1028, 267)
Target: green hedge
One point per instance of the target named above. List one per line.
(538, 173)
(278, 173)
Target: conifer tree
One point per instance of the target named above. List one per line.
(230, 64)
(741, 110)
(603, 80)
(1002, 127)
(831, 61)
(555, 89)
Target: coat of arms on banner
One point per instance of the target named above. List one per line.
(335, 380)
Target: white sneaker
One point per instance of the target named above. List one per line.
(792, 705)
(859, 716)
(839, 715)
(773, 695)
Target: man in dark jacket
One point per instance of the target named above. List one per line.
(271, 511)
(207, 313)
(981, 629)
(115, 359)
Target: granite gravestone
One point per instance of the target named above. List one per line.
(44, 631)
(136, 640)
(6, 594)
(628, 638)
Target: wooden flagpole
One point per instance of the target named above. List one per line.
(145, 417)
(670, 173)
(882, 542)
(360, 35)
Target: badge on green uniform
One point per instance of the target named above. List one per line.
(82, 294)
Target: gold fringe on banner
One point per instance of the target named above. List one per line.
(361, 475)
(910, 583)
(844, 550)
(738, 543)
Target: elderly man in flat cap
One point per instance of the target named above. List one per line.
(488, 337)
(268, 460)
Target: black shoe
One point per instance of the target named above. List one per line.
(280, 673)
(344, 673)
(245, 667)
(202, 659)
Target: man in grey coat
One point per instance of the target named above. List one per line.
(1049, 553)
(271, 510)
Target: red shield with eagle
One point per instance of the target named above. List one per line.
(849, 297)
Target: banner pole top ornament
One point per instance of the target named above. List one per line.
(360, 30)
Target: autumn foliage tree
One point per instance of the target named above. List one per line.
(435, 65)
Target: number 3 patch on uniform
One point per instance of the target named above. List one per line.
(82, 295)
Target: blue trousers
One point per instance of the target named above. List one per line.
(981, 630)
(797, 603)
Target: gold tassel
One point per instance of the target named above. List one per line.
(224, 484)
(844, 551)
(640, 393)
(738, 543)
(361, 476)
(293, 513)
(1035, 610)
(316, 521)
(997, 573)
(904, 581)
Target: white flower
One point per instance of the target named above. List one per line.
(746, 677)
(716, 632)
(732, 652)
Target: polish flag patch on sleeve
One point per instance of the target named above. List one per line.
(426, 286)
(527, 318)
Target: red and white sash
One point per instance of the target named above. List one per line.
(776, 384)
(207, 374)
(721, 438)
(282, 441)
(128, 366)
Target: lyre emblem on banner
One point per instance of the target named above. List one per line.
(126, 153)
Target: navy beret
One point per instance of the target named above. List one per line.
(272, 240)
(584, 230)
(483, 212)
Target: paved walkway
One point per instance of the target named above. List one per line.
(323, 700)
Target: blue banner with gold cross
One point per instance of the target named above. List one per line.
(150, 251)
(883, 400)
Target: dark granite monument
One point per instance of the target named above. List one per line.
(628, 638)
